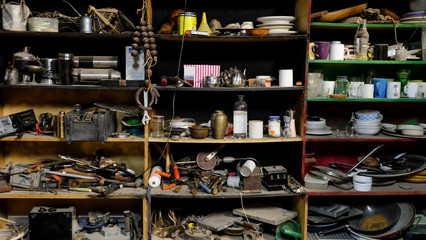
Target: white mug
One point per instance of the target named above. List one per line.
(327, 88)
(367, 91)
(285, 78)
(337, 51)
(411, 89)
(393, 90)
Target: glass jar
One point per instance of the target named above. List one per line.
(157, 126)
(274, 126)
(240, 118)
(342, 85)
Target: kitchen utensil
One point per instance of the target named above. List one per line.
(332, 172)
(322, 219)
(405, 220)
(366, 156)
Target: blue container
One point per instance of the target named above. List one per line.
(380, 87)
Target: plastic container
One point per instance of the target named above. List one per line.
(274, 126)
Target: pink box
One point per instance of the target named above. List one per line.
(196, 73)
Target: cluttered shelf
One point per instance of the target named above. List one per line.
(361, 138)
(225, 140)
(123, 193)
(398, 188)
(376, 26)
(30, 137)
(375, 62)
(227, 38)
(230, 193)
(367, 100)
(231, 89)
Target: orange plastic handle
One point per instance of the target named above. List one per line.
(162, 174)
(176, 172)
(170, 186)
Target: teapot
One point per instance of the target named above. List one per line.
(233, 77)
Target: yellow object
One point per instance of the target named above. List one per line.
(204, 26)
(187, 21)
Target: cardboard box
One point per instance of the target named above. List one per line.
(196, 73)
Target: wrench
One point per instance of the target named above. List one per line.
(146, 117)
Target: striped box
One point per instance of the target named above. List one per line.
(195, 73)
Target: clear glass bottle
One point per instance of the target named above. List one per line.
(274, 126)
(287, 130)
(157, 126)
(361, 42)
(240, 118)
(342, 85)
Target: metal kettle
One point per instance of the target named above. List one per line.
(234, 77)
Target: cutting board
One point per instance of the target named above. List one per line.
(266, 213)
(342, 13)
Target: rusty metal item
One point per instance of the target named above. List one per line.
(5, 186)
(253, 183)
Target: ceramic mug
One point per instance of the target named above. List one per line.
(411, 89)
(349, 52)
(380, 51)
(322, 49)
(311, 51)
(337, 51)
(393, 90)
(380, 87)
(327, 88)
(367, 90)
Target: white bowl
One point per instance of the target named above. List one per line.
(367, 114)
(370, 121)
(389, 126)
(362, 187)
(372, 130)
(362, 179)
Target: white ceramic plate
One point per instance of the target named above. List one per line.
(282, 19)
(280, 32)
(276, 27)
(319, 132)
(264, 25)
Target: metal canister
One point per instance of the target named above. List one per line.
(65, 66)
(59, 127)
(50, 73)
(95, 61)
(86, 24)
(187, 21)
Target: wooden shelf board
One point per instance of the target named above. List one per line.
(70, 35)
(376, 26)
(367, 100)
(173, 37)
(75, 86)
(230, 89)
(124, 193)
(30, 137)
(231, 193)
(375, 62)
(361, 138)
(226, 140)
(398, 188)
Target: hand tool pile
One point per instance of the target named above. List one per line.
(98, 173)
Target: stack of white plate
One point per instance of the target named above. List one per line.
(277, 25)
(317, 127)
(368, 121)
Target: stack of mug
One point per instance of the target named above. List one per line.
(335, 50)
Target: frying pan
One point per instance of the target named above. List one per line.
(376, 218)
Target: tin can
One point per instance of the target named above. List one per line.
(187, 21)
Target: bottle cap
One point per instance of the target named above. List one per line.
(274, 117)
